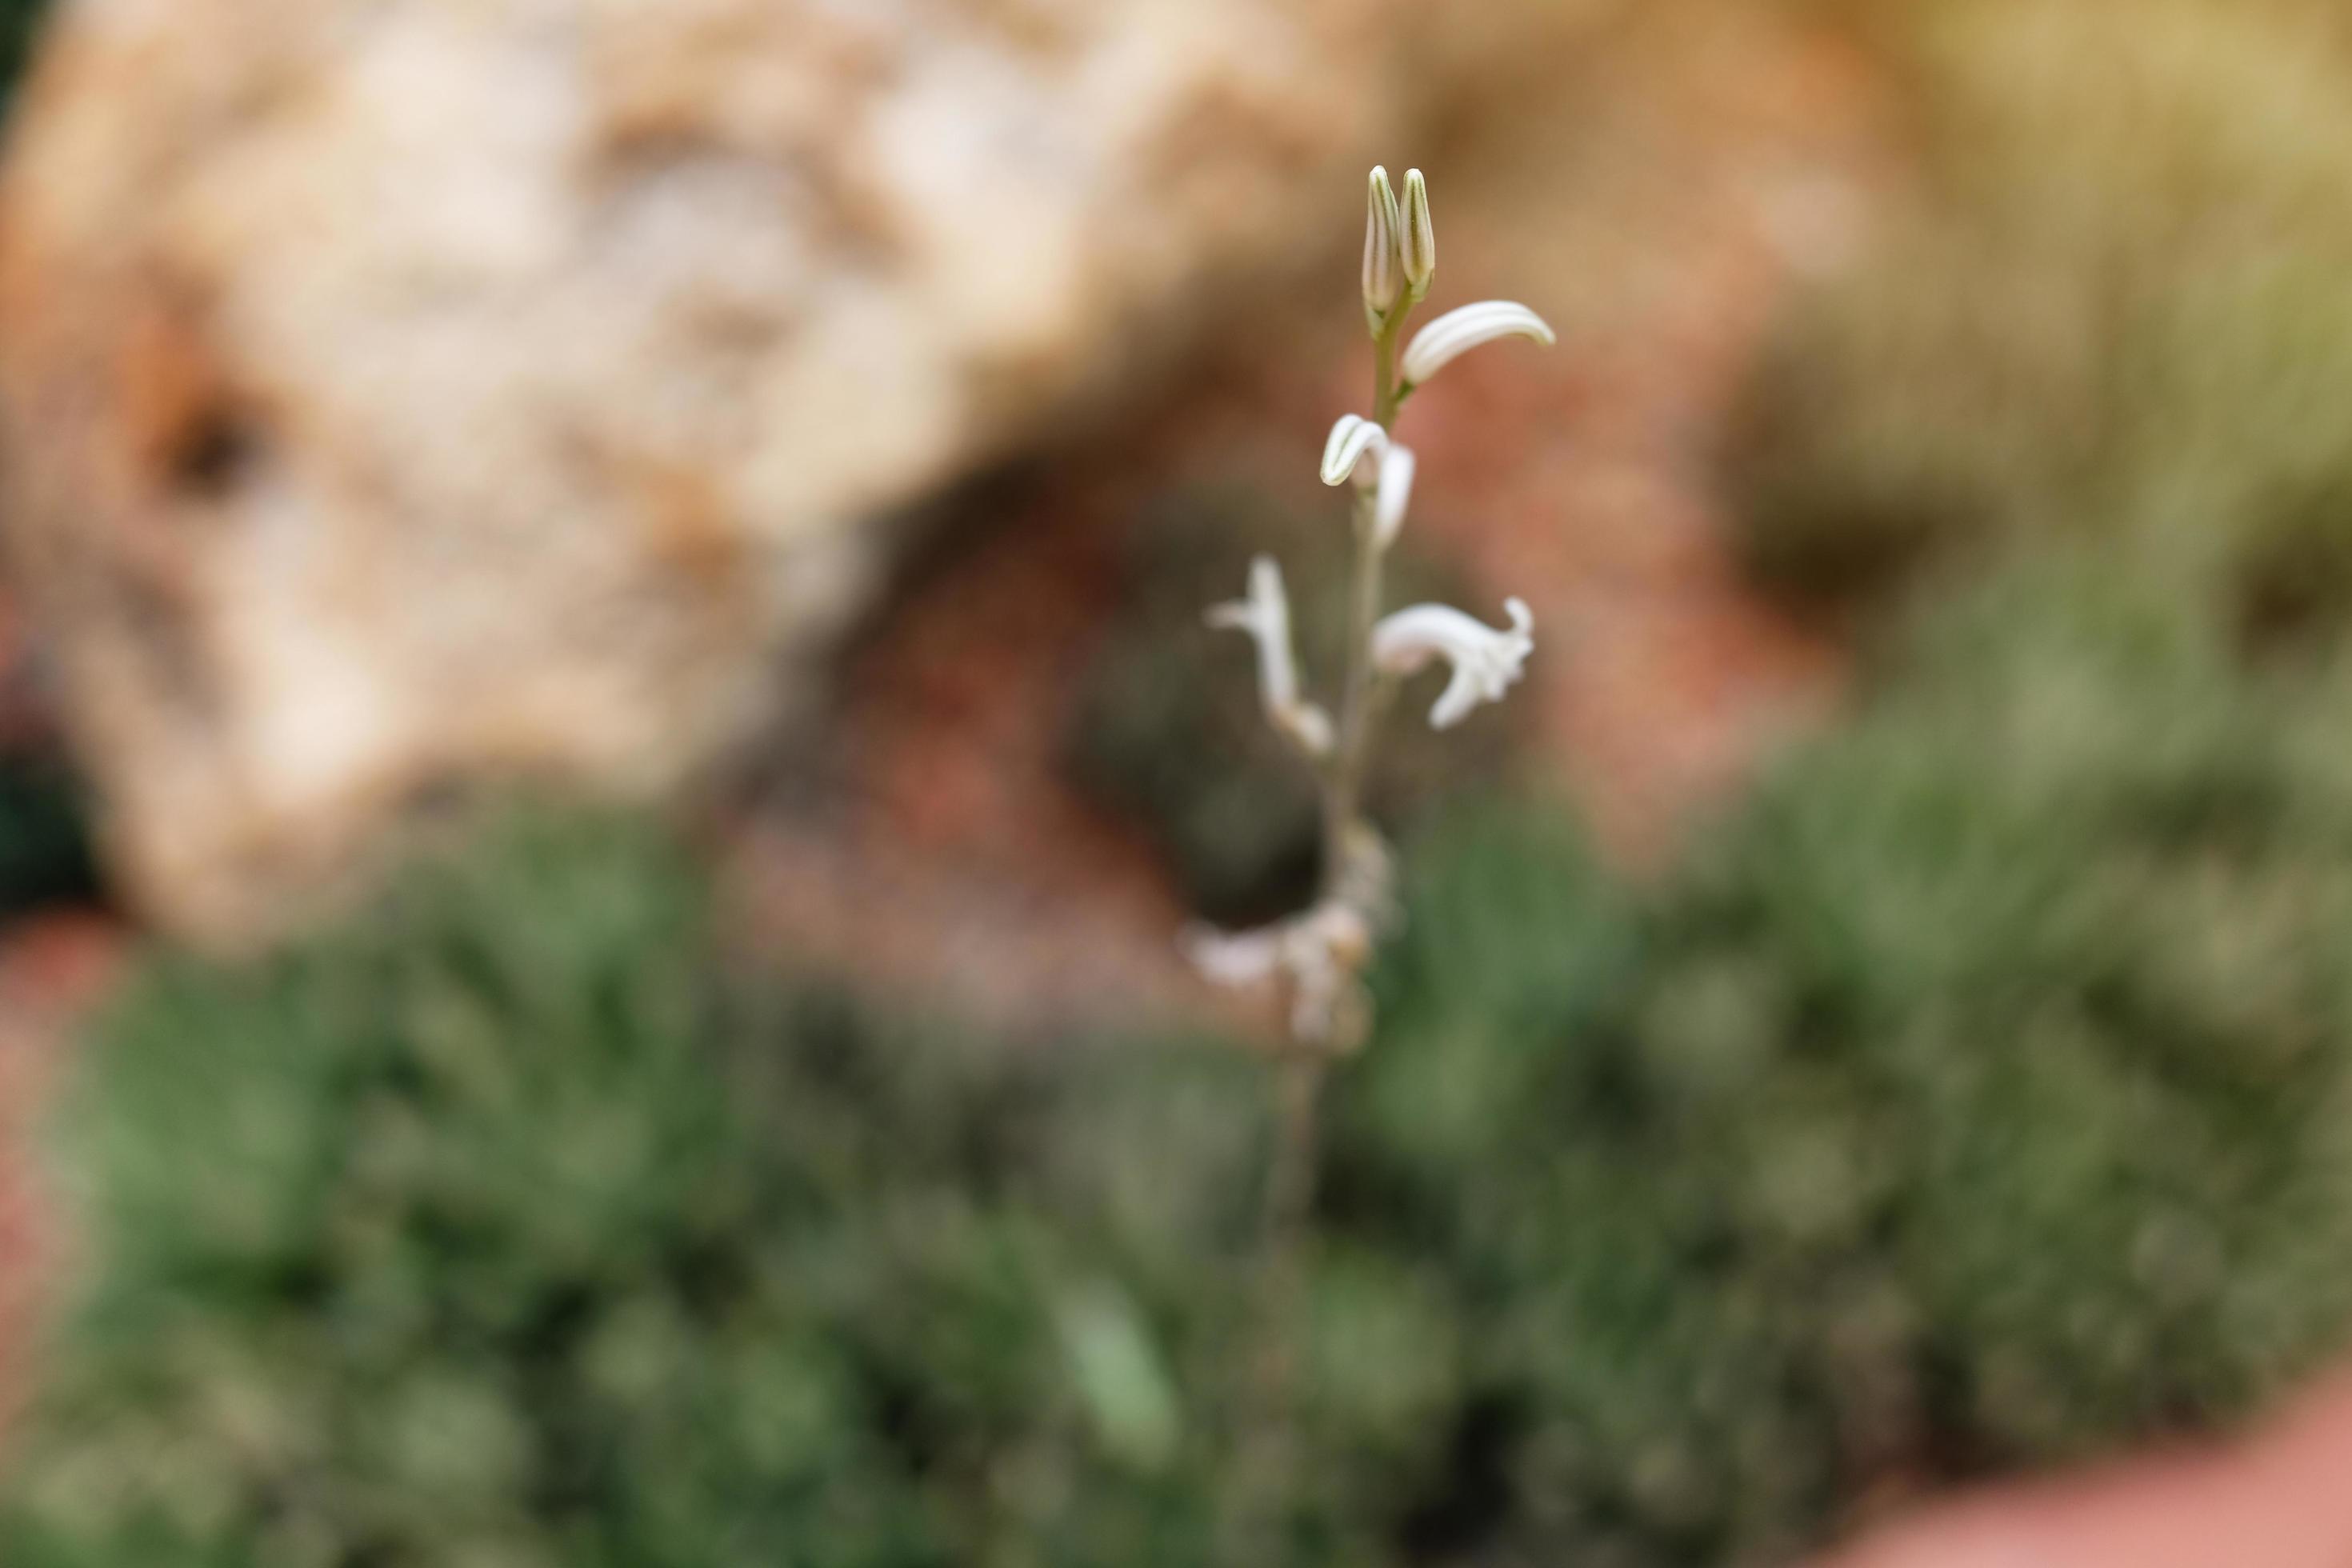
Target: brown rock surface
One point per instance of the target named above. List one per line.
(397, 393)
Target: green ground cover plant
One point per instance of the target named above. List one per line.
(1973, 1100)
(2114, 305)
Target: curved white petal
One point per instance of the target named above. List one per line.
(1487, 660)
(1395, 496)
(1264, 615)
(1456, 333)
(1352, 439)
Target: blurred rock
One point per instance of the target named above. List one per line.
(402, 392)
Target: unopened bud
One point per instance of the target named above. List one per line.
(1383, 251)
(1420, 236)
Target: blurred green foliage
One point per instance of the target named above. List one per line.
(504, 1227)
(2118, 305)
(20, 20)
(1975, 1098)
(1168, 732)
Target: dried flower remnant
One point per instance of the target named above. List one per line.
(1316, 952)
(1320, 955)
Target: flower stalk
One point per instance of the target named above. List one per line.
(1322, 953)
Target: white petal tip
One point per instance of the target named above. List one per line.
(1352, 439)
(1394, 497)
(1456, 333)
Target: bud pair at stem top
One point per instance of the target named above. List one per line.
(1400, 246)
(1400, 261)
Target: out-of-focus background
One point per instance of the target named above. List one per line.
(605, 733)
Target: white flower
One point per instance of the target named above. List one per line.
(1352, 439)
(1319, 952)
(1383, 250)
(1266, 615)
(1456, 333)
(1394, 496)
(1486, 659)
(1420, 246)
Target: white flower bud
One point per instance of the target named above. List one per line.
(1456, 333)
(1420, 236)
(1383, 250)
(1395, 495)
(1265, 616)
(1352, 438)
(1486, 659)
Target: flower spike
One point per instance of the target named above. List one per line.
(1318, 957)
(1487, 660)
(1264, 615)
(1419, 245)
(1352, 439)
(1456, 333)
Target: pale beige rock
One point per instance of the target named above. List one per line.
(402, 392)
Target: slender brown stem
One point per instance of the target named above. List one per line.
(1270, 1468)
(1343, 786)
(1290, 1188)
(1272, 1437)
(1290, 1183)
(1290, 1179)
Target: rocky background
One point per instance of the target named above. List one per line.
(399, 397)
(655, 398)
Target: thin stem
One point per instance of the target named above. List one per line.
(1273, 1438)
(1388, 396)
(1290, 1180)
(1343, 789)
(1290, 1185)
